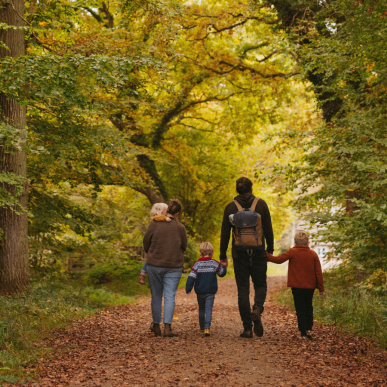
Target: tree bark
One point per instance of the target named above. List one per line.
(149, 166)
(151, 195)
(14, 265)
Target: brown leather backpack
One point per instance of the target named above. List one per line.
(248, 232)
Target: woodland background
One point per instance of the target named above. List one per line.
(110, 107)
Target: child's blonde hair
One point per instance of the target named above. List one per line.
(301, 238)
(158, 209)
(206, 249)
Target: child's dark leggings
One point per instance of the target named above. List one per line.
(303, 303)
(206, 302)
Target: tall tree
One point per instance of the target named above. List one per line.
(342, 171)
(14, 267)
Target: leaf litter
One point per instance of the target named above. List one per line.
(116, 348)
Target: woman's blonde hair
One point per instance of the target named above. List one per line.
(301, 238)
(206, 249)
(158, 209)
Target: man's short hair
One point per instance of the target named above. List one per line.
(206, 249)
(243, 185)
(301, 238)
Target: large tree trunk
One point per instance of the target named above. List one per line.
(149, 166)
(14, 266)
(151, 194)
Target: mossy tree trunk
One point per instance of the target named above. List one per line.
(14, 265)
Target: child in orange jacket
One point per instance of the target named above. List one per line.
(304, 275)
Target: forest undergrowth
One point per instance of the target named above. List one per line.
(358, 308)
(54, 300)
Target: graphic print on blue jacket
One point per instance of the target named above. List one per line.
(203, 276)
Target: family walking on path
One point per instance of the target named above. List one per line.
(112, 348)
(248, 219)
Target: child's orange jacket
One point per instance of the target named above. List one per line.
(304, 268)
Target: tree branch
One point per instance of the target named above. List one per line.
(149, 166)
(219, 30)
(210, 99)
(109, 16)
(94, 14)
(36, 38)
(195, 128)
(268, 56)
(198, 118)
(173, 112)
(241, 67)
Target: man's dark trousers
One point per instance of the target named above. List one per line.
(243, 270)
(304, 308)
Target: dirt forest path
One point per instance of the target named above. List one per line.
(116, 348)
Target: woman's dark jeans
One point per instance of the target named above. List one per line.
(303, 299)
(243, 271)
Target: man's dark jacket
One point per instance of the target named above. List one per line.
(246, 200)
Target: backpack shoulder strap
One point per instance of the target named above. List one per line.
(238, 206)
(255, 202)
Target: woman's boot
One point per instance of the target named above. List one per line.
(168, 331)
(155, 328)
(141, 279)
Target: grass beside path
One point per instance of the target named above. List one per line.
(55, 299)
(52, 301)
(351, 309)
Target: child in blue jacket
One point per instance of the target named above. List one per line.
(203, 278)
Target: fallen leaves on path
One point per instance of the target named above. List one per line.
(117, 348)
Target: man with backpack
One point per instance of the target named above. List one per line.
(249, 219)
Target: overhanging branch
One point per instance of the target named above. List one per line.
(241, 67)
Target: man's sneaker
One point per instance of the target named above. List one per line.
(247, 333)
(303, 337)
(207, 332)
(256, 318)
(309, 334)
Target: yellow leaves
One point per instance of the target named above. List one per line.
(43, 24)
(370, 66)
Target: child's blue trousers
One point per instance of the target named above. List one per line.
(206, 302)
(144, 268)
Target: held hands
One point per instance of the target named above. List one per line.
(224, 262)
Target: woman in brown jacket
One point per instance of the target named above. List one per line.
(165, 244)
